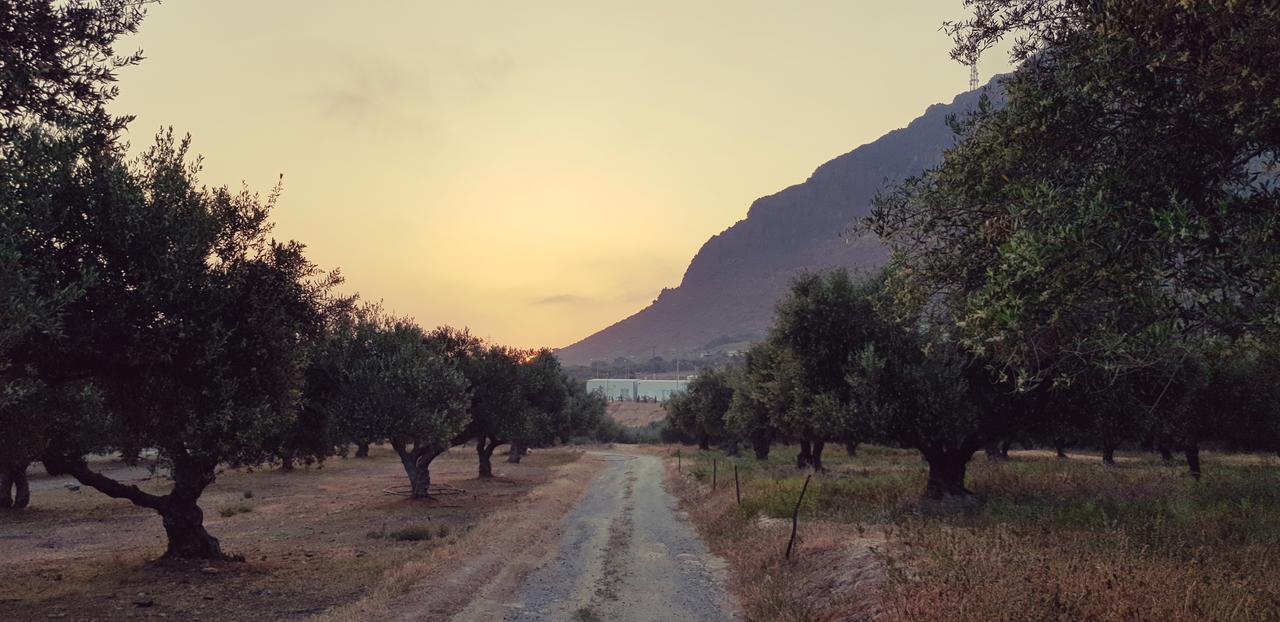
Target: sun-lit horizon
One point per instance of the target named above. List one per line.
(532, 172)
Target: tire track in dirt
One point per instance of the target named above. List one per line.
(624, 554)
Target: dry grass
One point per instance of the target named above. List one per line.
(1050, 539)
(636, 414)
(769, 588)
(483, 560)
(78, 555)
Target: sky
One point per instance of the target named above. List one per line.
(534, 170)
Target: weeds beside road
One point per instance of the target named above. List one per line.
(1048, 539)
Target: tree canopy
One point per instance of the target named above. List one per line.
(1120, 208)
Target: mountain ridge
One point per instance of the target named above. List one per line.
(728, 292)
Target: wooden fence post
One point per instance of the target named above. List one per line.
(795, 516)
(737, 490)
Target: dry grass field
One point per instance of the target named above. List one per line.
(636, 414)
(316, 540)
(1047, 539)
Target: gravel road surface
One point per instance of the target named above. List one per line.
(625, 554)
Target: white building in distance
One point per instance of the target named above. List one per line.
(628, 390)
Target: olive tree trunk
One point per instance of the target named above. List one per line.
(760, 446)
(179, 510)
(21, 488)
(417, 465)
(815, 456)
(362, 450)
(14, 490)
(947, 467)
(518, 451)
(484, 451)
(802, 458)
(1192, 451)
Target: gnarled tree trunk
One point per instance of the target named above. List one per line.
(6, 486)
(851, 448)
(484, 452)
(1109, 455)
(179, 510)
(21, 488)
(760, 446)
(184, 525)
(1192, 451)
(419, 478)
(802, 458)
(182, 517)
(518, 450)
(815, 456)
(362, 450)
(704, 442)
(1061, 447)
(417, 465)
(947, 468)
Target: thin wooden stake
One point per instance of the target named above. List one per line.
(713, 475)
(795, 517)
(737, 490)
(678, 461)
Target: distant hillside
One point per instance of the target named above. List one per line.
(728, 293)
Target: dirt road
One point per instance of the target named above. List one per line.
(624, 553)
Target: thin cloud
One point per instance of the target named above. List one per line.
(563, 299)
(368, 91)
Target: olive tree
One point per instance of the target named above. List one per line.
(192, 322)
(755, 399)
(60, 64)
(404, 386)
(1118, 210)
(699, 411)
(497, 401)
(544, 414)
(59, 67)
(315, 434)
(818, 327)
(922, 391)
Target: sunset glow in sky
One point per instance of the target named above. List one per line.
(533, 170)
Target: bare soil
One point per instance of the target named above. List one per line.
(316, 540)
(622, 554)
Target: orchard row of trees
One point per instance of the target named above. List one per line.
(1097, 259)
(838, 367)
(141, 310)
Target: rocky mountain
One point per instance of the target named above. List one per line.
(727, 295)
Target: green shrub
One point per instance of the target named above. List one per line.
(228, 512)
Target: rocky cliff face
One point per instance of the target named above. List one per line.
(728, 293)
